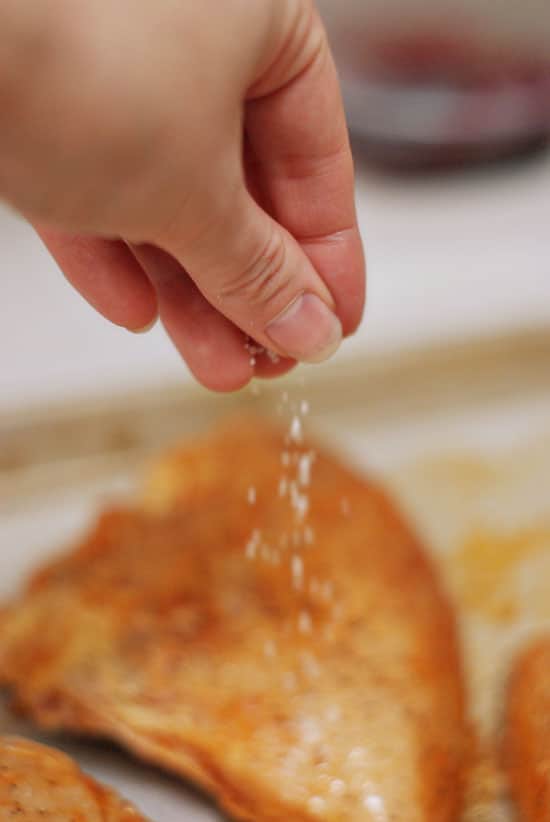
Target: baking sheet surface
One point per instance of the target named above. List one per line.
(468, 456)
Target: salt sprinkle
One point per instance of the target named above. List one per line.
(299, 501)
(253, 544)
(309, 535)
(251, 495)
(310, 732)
(357, 756)
(302, 506)
(283, 487)
(296, 433)
(333, 714)
(314, 586)
(304, 622)
(289, 681)
(304, 469)
(270, 649)
(304, 407)
(273, 356)
(310, 666)
(337, 787)
(375, 804)
(316, 805)
(294, 758)
(345, 507)
(297, 564)
(253, 349)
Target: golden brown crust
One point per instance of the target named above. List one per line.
(337, 698)
(39, 784)
(527, 737)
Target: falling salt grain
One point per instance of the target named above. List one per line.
(356, 756)
(297, 565)
(251, 495)
(253, 350)
(299, 501)
(314, 586)
(337, 787)
(375, 804)
(309, 535)
(316, 805)
(304, 469)
(272, 356)
(304, 407)
(337, 612)
(310, 732)
(270, 649)
(283, 487)
(310, 666)
(289, 681)
(304, 622)
(296, 434)
(345, 507)
(302, 506)
(253, 544)
(333, 714)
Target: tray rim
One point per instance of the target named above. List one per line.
(456, 374)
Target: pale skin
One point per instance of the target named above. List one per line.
(188, 160)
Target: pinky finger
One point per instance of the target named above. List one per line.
(106, 274)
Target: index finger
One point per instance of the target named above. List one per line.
(301, 163)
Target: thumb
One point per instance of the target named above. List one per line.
(256, 274)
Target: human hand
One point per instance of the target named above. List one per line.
(192, 160)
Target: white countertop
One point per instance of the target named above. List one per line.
(448, 255)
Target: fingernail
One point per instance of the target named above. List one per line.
(145, 328)
(307, 330)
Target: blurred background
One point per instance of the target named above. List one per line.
(449, 109)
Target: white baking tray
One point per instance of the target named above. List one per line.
(460, 434)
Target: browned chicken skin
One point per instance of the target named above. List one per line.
(299, 665)
(39, 784)
(527, 740)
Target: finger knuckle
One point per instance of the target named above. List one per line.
(261, 281)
